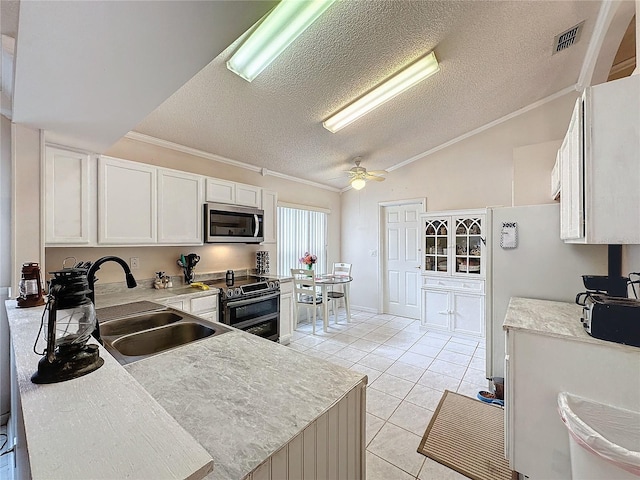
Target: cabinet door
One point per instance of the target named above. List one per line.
(286, 316)
(248, 195)
(221, 191)
(270, 223)
(469, 234)
(127, 199)
(436, 245)
(468, 314)
(572, 178)
(435, 308)
(70, 189)
(179, 208)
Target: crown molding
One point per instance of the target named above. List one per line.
(158, 142)
(517, 113)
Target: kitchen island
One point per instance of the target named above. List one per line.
(247, 403)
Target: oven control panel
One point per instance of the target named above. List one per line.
(251, 290)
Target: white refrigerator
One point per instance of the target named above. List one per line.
(541, 266)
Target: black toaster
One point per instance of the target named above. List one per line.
(611, 318)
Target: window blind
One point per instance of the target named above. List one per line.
(300, 231)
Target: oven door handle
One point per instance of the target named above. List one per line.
(240, 303)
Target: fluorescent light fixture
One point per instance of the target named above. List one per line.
(276, 32)
(419, 70)
(358, 183)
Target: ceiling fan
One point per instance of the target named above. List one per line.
(359, 175)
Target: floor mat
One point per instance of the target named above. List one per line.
(467, 435)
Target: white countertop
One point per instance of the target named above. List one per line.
(239, 396)
(103, 425)
(556, 319)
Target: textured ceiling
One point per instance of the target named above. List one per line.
(495, 58)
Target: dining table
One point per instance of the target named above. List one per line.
(330, 280)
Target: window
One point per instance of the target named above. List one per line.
(299, 231)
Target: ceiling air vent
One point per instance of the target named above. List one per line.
(566, 39)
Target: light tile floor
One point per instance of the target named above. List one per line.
(408, 367)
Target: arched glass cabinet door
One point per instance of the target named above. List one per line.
(436, 247)
(469, 245)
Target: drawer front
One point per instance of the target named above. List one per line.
(476, 286)
(211, 316)
(204, 304)
(179, 304)
(286, 287)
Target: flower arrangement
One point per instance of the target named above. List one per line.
(308, 259)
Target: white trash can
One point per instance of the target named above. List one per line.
(604, 441)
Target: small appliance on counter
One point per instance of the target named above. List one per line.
(68, 321)
(30, 286)
(614, 319)
(229, 278)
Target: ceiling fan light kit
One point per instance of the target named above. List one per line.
(360, 175)
(276, 32)
(358, 183)
(406, 78)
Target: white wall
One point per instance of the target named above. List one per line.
(474, 173)
(214, 258)
(5, 266)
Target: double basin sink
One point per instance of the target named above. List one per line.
(132, 338)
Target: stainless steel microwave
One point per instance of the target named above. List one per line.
(232, 224)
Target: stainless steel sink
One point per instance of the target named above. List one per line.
(140, 336)
(124, 326)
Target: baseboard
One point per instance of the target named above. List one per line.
(364, 309)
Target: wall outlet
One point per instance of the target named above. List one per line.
(134, 262)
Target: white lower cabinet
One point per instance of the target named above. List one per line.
(332, 446)
(539, 364)
(455, 307)
(204, 306)
(286, 312)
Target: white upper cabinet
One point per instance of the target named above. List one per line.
(270, 207)
(225, 191)
(70, 190)
(179, 207)
(220, 191)
(127, 202)
(248, 195)
(600, 166)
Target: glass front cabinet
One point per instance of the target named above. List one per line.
(454, 245)
(454, 262)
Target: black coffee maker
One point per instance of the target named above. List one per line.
(613, 284)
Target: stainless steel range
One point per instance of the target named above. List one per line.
(251, 304)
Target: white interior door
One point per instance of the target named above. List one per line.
(401, 267)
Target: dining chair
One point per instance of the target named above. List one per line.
(305, 295)
(335, 296)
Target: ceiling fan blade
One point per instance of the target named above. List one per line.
(377, 172)
(376, 179)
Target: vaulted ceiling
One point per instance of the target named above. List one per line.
(167, 80)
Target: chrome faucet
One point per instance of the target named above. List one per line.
(131, 283)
